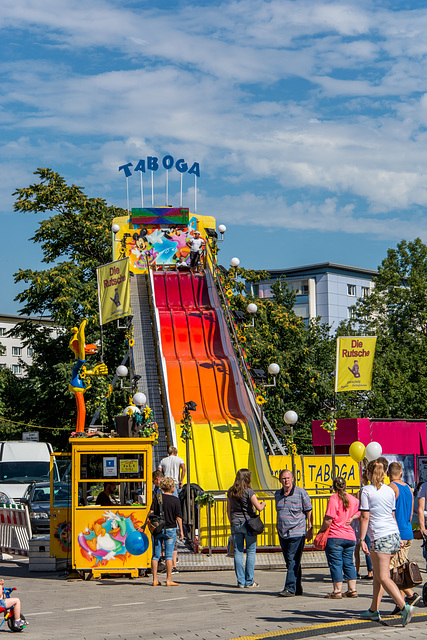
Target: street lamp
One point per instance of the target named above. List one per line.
(291, 418)
(222, 229)
(139, 399)
(251, 309)
(260, 376)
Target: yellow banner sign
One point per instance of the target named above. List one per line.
(114, 291)
(355, 360)
(314, 473)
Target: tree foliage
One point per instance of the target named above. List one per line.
(75, 239)
(305, 354)
(396, 312)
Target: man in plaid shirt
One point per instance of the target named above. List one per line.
(294, 525)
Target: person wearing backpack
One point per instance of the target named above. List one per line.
(167, 508)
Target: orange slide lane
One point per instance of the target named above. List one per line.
(198, 370)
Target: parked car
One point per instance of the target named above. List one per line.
(5, 499)
(37, 497)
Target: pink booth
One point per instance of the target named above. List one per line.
(399, 437)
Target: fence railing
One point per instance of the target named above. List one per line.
(214, 527)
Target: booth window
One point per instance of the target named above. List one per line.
(125, 470)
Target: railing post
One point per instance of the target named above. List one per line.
(210, 528)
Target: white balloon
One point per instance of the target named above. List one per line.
(132, 408)
(373, 451)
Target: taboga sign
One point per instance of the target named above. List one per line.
(152, 163)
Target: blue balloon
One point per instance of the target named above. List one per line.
(136, 543)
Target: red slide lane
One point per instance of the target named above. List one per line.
(198, 370)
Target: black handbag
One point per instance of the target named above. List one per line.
(254, 526)
(156, 523)
(406, 576)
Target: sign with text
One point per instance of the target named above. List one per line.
(314, 473)
(109, 467)
(32, 436)
(354, 364)
(114, 291)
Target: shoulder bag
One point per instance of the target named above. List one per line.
(406, 576)
(156, 523)
(254, 526)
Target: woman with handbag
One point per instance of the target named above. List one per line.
(342, 509)
(404, 512)
(241, 505)
(377, 506)
(167, 511)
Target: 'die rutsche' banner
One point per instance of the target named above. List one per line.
(114, 291)
(355, 360)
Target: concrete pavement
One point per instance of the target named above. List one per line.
(206, 605)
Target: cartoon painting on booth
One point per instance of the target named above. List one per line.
(112, 537)
(150, 245)
(62, 534)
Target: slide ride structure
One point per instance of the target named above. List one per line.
(184, 352)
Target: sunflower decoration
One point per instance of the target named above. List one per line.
(260, 400)
(229, 293)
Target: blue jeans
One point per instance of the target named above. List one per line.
(340, 555)
(168, 537)
(292, 549)
(244, 574)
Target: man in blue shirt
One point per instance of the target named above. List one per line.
(294, 525)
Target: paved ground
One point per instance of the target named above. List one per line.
(206, 605)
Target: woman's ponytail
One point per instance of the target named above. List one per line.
(340, 485)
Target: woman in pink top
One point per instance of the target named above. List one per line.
(342, 509)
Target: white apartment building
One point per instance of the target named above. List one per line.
(15, 352)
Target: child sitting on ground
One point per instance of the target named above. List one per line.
(7, 603)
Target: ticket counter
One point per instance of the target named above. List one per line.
(106, 537)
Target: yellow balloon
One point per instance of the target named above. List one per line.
(357, 451)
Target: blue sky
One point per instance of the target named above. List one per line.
(308, 118)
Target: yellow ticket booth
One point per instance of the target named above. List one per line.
(111, 497)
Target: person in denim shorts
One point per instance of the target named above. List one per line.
(173, 518)
(377, 507)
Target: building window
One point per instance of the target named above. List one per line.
(16, 351)
(30, 352)
(366, 292)
(351, 313)
(16, 369)
(351, 289)
(2, 331)
(265, 291)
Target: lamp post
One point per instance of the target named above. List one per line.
(291, 418)
(222, 229)
(273, 370)
(187, 435)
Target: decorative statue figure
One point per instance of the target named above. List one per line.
(79, 377)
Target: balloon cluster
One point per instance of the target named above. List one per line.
(358, 451)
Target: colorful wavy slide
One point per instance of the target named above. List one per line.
(201, 366)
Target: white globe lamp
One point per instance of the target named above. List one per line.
(222, 228)
(290, 417)
(122, 371)
(115, 228)
(234, 262)
(252, 308)
(139, 399)
(132, 409)
(273, 370)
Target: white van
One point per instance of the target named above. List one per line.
(21, 464)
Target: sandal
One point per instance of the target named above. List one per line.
(350, 594)
(336, 595)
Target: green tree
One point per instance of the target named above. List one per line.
(396, 312)
(75, 239)
(305, 354)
